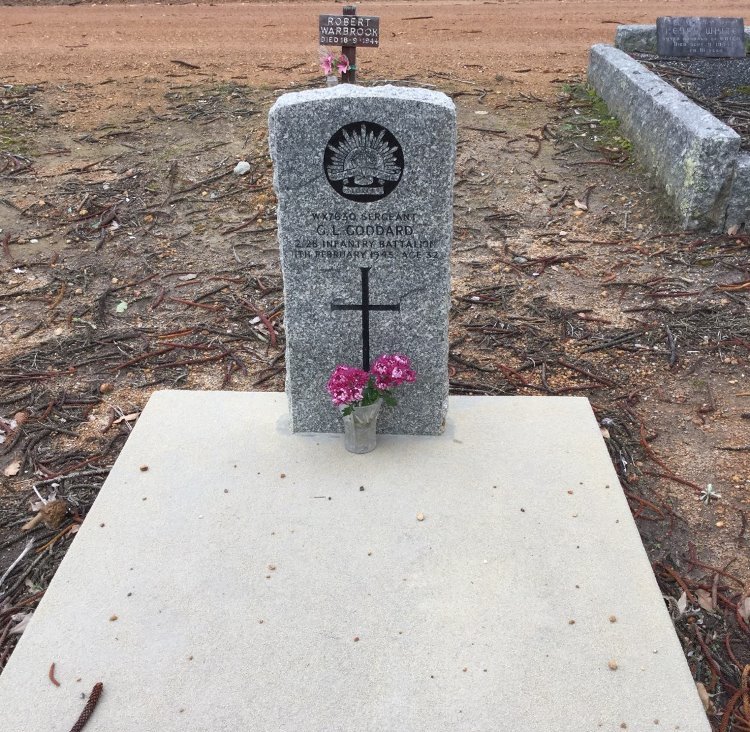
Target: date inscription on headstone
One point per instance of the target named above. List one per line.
(349, 30)
(703, 37)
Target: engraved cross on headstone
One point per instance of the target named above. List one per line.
(366, 307)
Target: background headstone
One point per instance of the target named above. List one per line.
(705, 37)
(364, 179)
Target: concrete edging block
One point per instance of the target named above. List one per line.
(738, 205)
(692, 154)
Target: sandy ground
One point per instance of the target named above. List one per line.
(135, 115)
(533, 41)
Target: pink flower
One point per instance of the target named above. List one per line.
(326, 63)
(347, 385)
(350, 386)
(343, 64)
(392, 370)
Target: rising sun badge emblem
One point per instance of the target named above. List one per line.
(363, 161)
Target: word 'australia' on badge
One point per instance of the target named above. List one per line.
(363, 161)
(364, 181)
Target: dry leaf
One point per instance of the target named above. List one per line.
(29, 525)
(13, 469)
(705, 698)
(127, 417)
(733, 230)
(23, 621)
(605, 432)
(682, 603)
(706, 601)
(743, 608)
(580, 205)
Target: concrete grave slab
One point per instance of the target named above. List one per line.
(256, 579)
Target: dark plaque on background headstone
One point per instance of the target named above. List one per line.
(704, 37)
(349, 30)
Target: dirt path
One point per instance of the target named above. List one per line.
(532, 41)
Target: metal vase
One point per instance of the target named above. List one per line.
(360, 428)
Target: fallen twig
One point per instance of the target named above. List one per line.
(88, 710)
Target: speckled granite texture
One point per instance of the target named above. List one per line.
(364, 178)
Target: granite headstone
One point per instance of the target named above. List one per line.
(364, 179)
(702, 37)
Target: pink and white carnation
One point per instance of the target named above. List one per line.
(391, 370)
(351, 387)
(347, 385)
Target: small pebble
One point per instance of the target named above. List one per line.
(143, 468)
(571, 622)
(356, 638)
(612, 618)
(272, 567)
(282, 475)
(420, 517)
(112, 618)
(241, 168)
(612, 665)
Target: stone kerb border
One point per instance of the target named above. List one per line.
(695, 158)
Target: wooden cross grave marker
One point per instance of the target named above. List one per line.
(349, 31)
